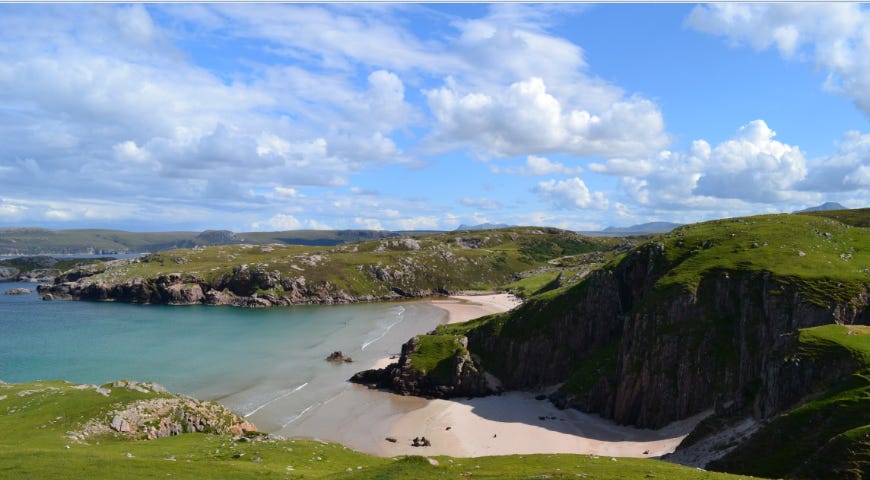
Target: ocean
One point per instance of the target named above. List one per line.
(266, 364)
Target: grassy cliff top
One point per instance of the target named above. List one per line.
(830, 259)
(35, 419)
(447, 261)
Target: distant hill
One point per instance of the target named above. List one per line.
(482, 226)
(823, 207)
(42, 241)
(640, 229)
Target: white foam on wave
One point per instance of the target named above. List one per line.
(303, 412)
(279, 397)
(385, 332)
(308, 408)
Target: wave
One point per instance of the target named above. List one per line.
(303, 412)
(308, 408)
(386, 330)
(279, 397)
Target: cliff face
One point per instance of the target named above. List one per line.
(661, 356)
(456, 374)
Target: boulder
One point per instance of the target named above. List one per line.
(8, 274)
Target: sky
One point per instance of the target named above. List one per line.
(264, 117)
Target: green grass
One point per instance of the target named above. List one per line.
(535, 284)
(435, 355)
(33, 445)
(827, 260)
(857, 217)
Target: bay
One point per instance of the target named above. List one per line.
(266, 364)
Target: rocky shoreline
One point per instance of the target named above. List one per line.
(246, 286)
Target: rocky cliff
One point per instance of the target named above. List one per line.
(244, 286)
(703, 318)
(267, 275)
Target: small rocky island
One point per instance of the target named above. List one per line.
(18, 291)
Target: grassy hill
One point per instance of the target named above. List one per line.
(396, 267)
(36, 419)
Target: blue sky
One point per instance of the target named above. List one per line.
(426, 116)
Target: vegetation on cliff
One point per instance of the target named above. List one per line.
(41, 423)
(41, 268)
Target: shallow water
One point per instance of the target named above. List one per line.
(266, 364)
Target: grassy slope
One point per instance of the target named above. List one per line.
(825, 258)
(835, 265)
(857, 217)
(440, 263)
(836, 419)
(33, 446)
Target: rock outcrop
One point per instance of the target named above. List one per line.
(244, 286)
(8, 274)
(458, 375)
(162, 417)
(18, 291)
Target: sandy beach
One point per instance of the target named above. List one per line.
(513, 423)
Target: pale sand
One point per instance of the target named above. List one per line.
(512, 424)
(461, 308)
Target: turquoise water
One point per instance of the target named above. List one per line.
(252, 360)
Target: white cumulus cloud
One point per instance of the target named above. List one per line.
(570, 194)
(749, 167)
(834, 36)
(526, 118)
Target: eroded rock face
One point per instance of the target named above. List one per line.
(720, 345)
(239, 288)
(465, 378)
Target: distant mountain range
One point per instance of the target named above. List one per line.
(823, 207)
(482, 226)
(640, 229)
